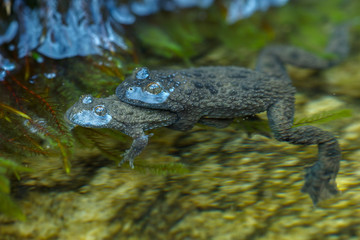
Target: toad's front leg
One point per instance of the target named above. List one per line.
(320, 178)
(138, 145)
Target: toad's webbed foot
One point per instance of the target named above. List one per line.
(126, 158)
(136, 148)
(320, 178)
(319, 184)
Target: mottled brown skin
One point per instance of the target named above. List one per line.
(228, 92)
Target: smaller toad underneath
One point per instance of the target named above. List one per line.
(111, 113)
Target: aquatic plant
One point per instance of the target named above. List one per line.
(32, 119)
(31, 124)
(323, 117)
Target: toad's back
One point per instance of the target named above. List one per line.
(214, 91)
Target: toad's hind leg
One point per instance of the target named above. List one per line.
(320, 178)
(272, 59)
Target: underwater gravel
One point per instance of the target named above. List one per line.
(237, 188)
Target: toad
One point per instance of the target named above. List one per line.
(226, 92)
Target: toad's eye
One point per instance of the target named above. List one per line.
(87, 99)
(100, 110)
(153, 88)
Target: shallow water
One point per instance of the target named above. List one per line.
(235, 186)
